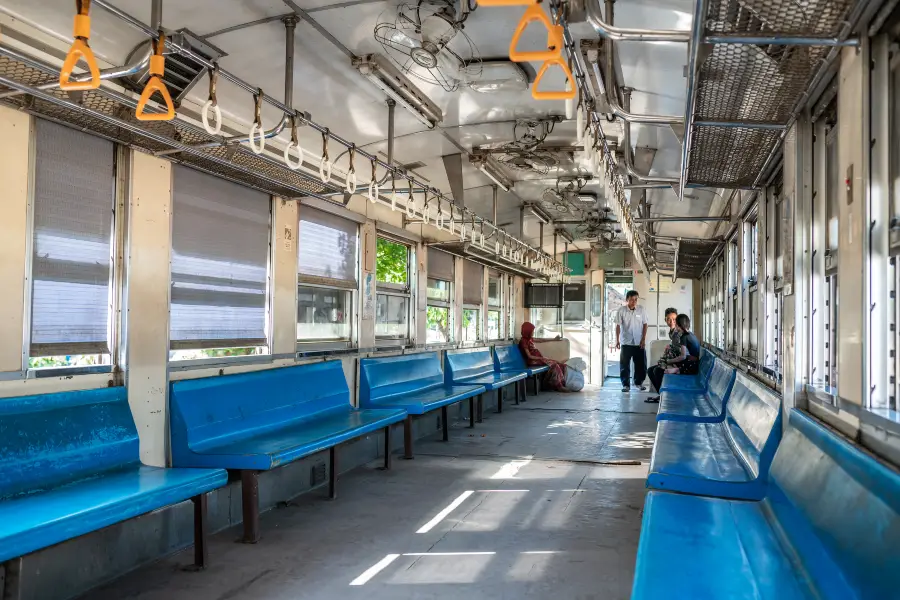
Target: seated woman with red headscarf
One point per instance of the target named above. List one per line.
(555, 377)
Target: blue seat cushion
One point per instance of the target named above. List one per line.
(29, 522)
(274, 447)
(682, 383)
(423, 401)
(697, 458)
(492, 381)
(710, 549)
(694, 405)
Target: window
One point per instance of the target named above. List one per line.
(495, 305)
(220, 255)
(473, 290)
(74, 195)
(326, 276)
(392, 301)
(575, 301)
(511, 306)
(439, 324)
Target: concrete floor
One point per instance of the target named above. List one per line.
(542, 501)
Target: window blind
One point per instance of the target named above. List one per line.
(74, 190)
(473, 281)
(327, 248)
(220, 248)
(440, 265)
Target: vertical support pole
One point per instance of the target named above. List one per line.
(500, 398)
(10, 579)
(445, 430)
(250, 505)
(201, 552)
(496, 192)
(332, 472)
(480, 408)
(472, 412)
(387, 448)
(408, 438)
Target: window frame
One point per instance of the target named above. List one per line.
(397, 290)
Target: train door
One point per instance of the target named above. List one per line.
(617, 285)
(598, 356)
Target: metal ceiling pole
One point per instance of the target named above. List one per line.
(391, 106)
(622, 34)
(678, 219)
(156, 8)
(675, 265)
(626, 141)
(496, 193)
(693, 58)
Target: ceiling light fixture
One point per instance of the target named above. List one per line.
(499, 76)
(492, 173)
(541, 215)
(386, 77)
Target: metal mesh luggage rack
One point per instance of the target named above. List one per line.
(111, 115)
(754, 83)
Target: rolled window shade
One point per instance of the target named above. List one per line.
(220, 248)
(74, 189)
(473, 280)
(440, 265)
(327, 248)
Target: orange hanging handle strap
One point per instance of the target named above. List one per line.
(554, 37)
(156, 84)
(80, 49)
(567, 94)
(506, 2)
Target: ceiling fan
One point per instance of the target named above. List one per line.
(426, 40)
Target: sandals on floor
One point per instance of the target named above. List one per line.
(652, 400)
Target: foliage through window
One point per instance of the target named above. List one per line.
(391, 262)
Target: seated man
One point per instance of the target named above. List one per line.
(687, 362)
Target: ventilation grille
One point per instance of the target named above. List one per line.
(760, 83)
(111, 115)
(693, 257)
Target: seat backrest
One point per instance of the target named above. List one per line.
(707, 362)
(384, 378)
(508, 358)
(53, 439)
(231, 407)
(840, 509)
(721, 380)
(753, 420)
(460, 365)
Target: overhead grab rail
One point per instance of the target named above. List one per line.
(80, 49)
(594, 14)
(538, 259)
(156, 84)
(554, 37)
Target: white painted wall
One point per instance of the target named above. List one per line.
(678, 296)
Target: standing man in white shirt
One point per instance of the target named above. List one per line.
(631, 337)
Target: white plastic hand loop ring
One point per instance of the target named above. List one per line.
(351, 183)
(325, 170)
(287, 159)
(394, 202)
(204, 114)
(257, 130)
(410, 207)
(373, 192)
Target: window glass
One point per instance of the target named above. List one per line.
(574, 311)
(494, 294)
(471, 325)
(493, 325)
(220, 256)
(74, 192)
(833, 182)
(391, 316)
(392, 262)
(323, 314)
(437, 325)
(546, 322)
(438, 290)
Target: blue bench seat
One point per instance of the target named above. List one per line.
(691, 383)
(729, 459)
(700, 406)
(251, 422)
(829, 528)
(415, 383)
(477, 367)
(69, 465)
(509, 359)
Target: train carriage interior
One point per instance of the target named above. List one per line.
(588, 299)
